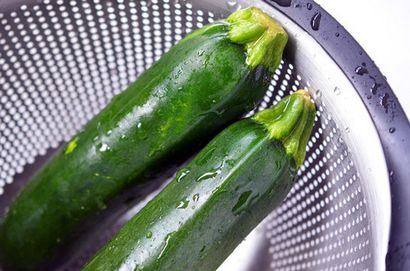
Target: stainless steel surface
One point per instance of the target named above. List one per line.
(61, 62)
(366, 22)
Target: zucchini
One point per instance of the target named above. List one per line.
(198, 219)
(205, 82)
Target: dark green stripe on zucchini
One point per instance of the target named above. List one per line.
(219, 197)
(202, 84)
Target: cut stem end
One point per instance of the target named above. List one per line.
(290, 122)
(264, 39)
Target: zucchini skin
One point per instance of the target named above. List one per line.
(196, 89)
(207, 210)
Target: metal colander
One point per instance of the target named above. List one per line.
(62, 61)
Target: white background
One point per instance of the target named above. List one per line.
(382, 28)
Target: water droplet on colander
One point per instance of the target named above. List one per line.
(233, 5)
(374, 87)
(109, 132)
(360, 70)
(315, 22)
(139, 125)
(309, 6)
(337, 34)
(347, 130)
(283, 3)
(392, 130)
(195, 197)
(384, 101)
(336, 90)
(318, 94)
(345, 152)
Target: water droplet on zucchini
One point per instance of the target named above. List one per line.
(181, 174)
(102, 147)
(207, 175)
(183, 204)
(164, 248)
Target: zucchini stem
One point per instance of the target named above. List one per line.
(290, 122)
(264, 39)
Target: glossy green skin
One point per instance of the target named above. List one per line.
(197, 88)
(207, 210)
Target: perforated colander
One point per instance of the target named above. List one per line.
(62, 61)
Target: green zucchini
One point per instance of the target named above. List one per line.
(198, 219)
(205, 82)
